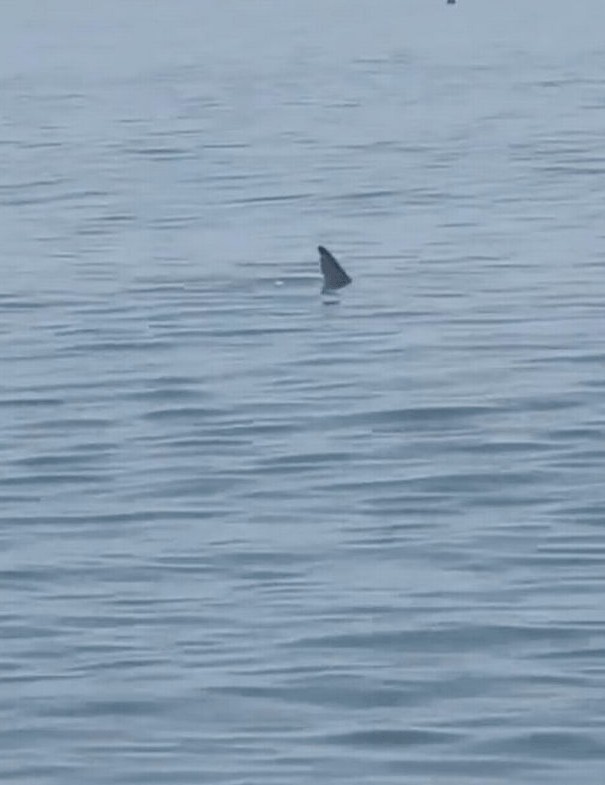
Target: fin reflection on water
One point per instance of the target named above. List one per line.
(334, 276)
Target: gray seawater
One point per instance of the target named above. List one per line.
(249, 538)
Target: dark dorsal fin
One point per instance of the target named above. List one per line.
(334, 276)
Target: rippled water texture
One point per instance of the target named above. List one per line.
(248, 538)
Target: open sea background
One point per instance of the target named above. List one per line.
(250, 539)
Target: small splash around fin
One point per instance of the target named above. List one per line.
(329, 297)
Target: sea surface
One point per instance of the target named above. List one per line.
(249, 538)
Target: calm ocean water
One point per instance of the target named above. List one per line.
(247, 538)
